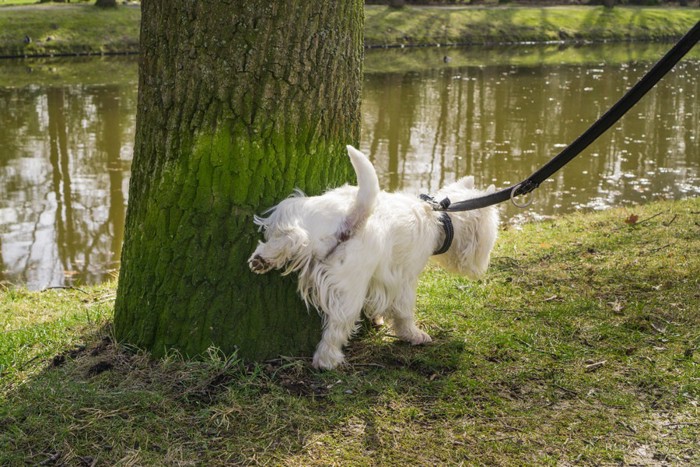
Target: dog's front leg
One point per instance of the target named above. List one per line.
(403, 321)
(340, 321)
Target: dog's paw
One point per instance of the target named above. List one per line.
(410, 333)
(258, 264)
(421, 338)
(327, 358)
(417, 337)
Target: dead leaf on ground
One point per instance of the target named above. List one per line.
(632, 219)
(617, 306)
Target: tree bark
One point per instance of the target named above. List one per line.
(239, 103)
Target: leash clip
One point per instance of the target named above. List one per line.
(436, 205)
(522, 188)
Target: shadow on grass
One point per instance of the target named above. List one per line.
(101, 401)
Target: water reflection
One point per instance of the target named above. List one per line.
(500, 123)
(64, 168)
(66, 136)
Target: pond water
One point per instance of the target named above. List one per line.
(429, 116)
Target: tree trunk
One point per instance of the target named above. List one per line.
(239, 103)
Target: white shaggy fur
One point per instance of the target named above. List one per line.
(357, 248)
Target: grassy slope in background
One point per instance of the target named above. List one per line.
(521, 24)
(83, 28)
(66, 29)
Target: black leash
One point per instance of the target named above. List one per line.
(598, 128)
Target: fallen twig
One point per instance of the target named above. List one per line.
(595, 366)
(376, 365)
(28, 362)
(103, 299)
(649, 218)
(529, 346)
(67, 287)
(52, 459)
(567, 390)
(671, 221)
(660, 248)
(629, 427)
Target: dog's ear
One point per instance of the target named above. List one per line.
(467, 182)
(491, 189)
(286, 248)
(296, 247)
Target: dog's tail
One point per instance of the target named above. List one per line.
(367, 191)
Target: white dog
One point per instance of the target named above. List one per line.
(358, 248)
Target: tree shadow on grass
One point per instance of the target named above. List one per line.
(101, 401)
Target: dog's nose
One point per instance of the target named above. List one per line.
(258, 264)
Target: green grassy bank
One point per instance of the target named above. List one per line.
(69, 29)
(388, 27)
(581, 346)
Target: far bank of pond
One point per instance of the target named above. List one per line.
(67, 129)
(71, 29)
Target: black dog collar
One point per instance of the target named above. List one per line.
(449, 234)
(444, 220)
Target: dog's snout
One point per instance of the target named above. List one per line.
(258, 264)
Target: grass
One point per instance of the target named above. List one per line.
(580, 346)
(39, 326)
(429, 26)
(391, 27)
(17, 2)
(70, 29)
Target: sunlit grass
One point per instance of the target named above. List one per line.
(17, 2)
(391, 27)
(68, 29)
(581, 345)
(36, 326)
